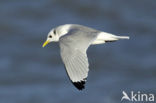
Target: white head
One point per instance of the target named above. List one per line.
(56, 33)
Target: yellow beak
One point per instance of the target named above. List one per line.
(45, 43)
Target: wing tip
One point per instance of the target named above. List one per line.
(80, 85)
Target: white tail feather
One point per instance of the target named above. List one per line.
(122, 37)
(107, 37)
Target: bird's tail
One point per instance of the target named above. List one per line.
(104, 37)
(122, 37)
(110, 37)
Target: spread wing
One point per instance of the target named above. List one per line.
(73, 52)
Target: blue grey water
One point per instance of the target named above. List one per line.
(32, 74)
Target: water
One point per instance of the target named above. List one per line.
(32, 74)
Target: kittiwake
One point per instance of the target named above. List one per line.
(74, 41)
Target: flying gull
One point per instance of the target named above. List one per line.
(74, 41)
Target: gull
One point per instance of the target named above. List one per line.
(74, 41)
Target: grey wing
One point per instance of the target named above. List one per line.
(75, 59)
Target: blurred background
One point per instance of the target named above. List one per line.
(32, 74)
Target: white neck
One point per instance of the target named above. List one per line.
(63, 29)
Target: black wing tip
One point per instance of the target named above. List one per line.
(80, 85)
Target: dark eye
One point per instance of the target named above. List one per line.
(54, 31)
(50, 36)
